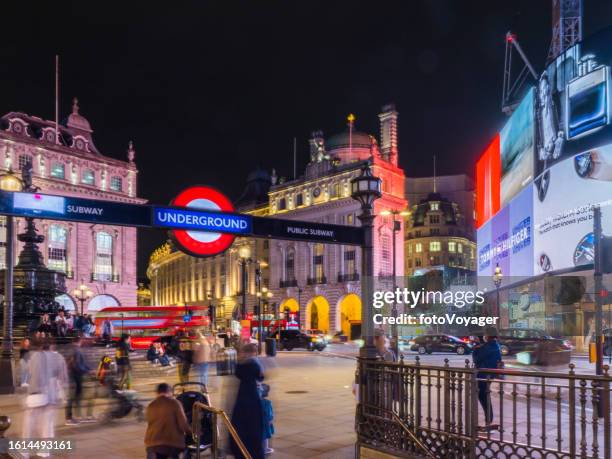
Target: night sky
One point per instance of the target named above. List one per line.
(209, 90)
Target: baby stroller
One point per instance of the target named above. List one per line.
(188, 398)
(122, 402)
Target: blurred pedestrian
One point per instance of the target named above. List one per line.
(107, 331)
(202, 356)
(45, 327)
(89, 327)
(48, 378)
(487, 355)
(122, 359)
(166, 426)
(153, 353)
(268, 418)
(185, 355)
(77, 369)
(382, 346)
(247, 415)
(61, 324)
(24, 358)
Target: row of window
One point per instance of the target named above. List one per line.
(436, 260)
(58, 171)
(57, 253)
(436, 246)
(318, 262)
(335, 191)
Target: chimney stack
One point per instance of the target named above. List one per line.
(388, 133)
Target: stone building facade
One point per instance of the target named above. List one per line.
(440, 227)
(321, 283)
(67, 163)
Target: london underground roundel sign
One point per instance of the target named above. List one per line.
(199, 243)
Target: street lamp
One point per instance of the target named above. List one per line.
(83, 293)
(8, 182)
(497, 280)
(366, 188)
(244, 252)
(397, 226)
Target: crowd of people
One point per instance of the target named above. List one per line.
(66, 324)
(52, 380)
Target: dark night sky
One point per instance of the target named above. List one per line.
(209, 90)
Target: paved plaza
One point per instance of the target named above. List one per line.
(313, 406)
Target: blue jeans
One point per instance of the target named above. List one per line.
(202, 372)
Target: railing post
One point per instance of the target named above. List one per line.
(468, 395)
(417, 397)
(446, 396)
(474, 413)
(605, 395)
(572, 411)
(215, 437)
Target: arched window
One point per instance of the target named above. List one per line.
(103, 266)
(116, 183)
(99, 302)
(66, 302)
(88, 177)
(318, 263)
(57, 248)
(58, 170)
(385, 242)
(24, 160)
(290, 265)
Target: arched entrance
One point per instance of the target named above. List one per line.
(317, 314)
(99, 302)
(288, 309)
(350, 316)
(65, 301)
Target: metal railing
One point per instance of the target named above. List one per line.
(215, 413)
(535, 414)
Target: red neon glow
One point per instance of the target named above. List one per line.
(188, 243)
(488, 179)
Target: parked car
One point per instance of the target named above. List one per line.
(426, 344)
(513, 340)
(291, 339)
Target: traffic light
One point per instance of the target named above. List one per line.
(606, 254)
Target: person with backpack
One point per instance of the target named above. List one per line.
(77, 369)
(124, 367)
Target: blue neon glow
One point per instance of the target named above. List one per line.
(138, 323)
(201, 220)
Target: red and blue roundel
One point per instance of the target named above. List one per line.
(198, 243)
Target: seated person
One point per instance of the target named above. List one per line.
(153, 353)
(162, 357)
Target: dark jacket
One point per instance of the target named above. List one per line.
(248, 410)
(487, 355)
(78, 364)
(122, 354)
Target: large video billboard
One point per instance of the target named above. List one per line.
(569, 135)
(517, 147)
(507, 239)
(488, 170)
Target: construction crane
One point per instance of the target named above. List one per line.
(566, 32)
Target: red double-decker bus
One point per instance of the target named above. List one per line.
(146, 324)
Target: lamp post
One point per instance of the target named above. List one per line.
(83, 293)
(8, 182)
(397, 226)
(258, 293)
(212, 313)
(497, 280)
(244, 252)
(366, 188)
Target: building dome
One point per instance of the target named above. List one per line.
(76, 120)
(341, 140)
(448, 211)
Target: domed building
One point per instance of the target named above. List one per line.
(319, 284)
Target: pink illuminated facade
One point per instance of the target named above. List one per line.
(320, 283)
(102, 257)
